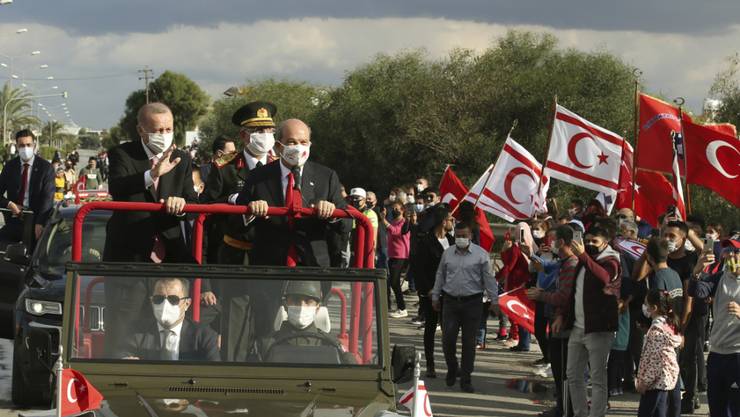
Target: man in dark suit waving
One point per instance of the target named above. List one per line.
(169, 335)
(27, 182)
(293, 180)
(150, 169)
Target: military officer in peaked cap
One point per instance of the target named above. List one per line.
(227, 176)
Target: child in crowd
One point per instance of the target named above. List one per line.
(657, 376)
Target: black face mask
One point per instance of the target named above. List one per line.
(592, 250)
(369, 204)
(396, 213)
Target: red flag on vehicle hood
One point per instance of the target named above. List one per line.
(452, 191)
(518, 307)
(78, 394)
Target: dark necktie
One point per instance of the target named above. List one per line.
(258, 164)
(24, 184)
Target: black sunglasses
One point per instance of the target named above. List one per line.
(172, 299)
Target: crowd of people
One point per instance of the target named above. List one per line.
(619, 304)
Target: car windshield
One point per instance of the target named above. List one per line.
(56, 245)
(256, 321)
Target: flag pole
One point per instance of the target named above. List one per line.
(680, 102)
(490, 172)
(549, 140)
(635, 132)
(58, 368)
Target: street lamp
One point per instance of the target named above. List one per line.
(35, 52)
(21, 30)
(5, 2)
(44, 66)
(12, 99)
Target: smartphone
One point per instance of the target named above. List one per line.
(578, 236)
(708, 244)
(521, 235)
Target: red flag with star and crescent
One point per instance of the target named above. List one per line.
(583, 153)
(518, 308)
(452, 191)
(713, 160)
(654, 193)
(78, 394)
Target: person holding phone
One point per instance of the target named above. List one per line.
(515, 273)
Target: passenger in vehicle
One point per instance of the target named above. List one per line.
(302, 302)
(167, 334)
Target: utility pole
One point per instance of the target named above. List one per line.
(147, 74)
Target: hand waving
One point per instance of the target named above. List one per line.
(165, 165)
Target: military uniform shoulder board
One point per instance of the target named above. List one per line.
(223, 160)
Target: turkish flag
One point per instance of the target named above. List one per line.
(78, 394)
(726, 128)
(654, 143)
(583, 153)
(514, 188)
(452, 191)
(624, 193)
(653, 194)
(518, 307)
(713, 160)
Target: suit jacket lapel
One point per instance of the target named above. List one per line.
(187, 340)
(275, 184)
(308, 191)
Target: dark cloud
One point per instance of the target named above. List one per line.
(121, 16)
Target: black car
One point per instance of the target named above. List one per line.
(38, 310)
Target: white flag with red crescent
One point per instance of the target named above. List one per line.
(583, 153)
(514, 188)
(416, 399)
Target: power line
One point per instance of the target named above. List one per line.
(94, 77)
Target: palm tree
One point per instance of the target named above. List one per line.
(50, 130)
(19, 108)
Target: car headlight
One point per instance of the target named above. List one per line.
(40, 307)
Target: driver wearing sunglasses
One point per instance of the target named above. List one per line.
(169, 335)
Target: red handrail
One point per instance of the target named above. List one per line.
(364, 251)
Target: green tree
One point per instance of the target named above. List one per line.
(19, 110)
(186, 99)
(407, 115)
(299, 100)
(114, 136)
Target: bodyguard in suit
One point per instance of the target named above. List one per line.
(149, 169)
(26, 182)
(168, 335)
(230, 170)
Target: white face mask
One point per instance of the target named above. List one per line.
(301, 317)
(261, 143)
(419, 207)
(555, 248)
(672, 246)
(166, 314)
(689, 246)
(26, 153)
(538, 234)
(420, 187)
(712, 236)
(295, 155)
(159, 142)
(462, 242)
(410, 199)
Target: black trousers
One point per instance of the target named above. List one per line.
(615, 369)
(460, 315)
(430, 329)
(653, 403)
(395, 268)
(558, 348)
(692, 356)
(540, 329)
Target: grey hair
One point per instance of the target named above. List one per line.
(151, 108)
(281, 127)
(164, 281)
(630, 225)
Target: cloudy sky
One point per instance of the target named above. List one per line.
(93, 48)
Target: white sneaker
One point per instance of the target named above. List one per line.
(543, 371)
(398, 314)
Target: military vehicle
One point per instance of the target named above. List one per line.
(265, 353)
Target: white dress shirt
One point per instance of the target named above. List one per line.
(252, 160)
(26, 196)
(285, 171)
(173, 344)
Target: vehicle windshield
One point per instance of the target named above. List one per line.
(255, 321)
(56, 245)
